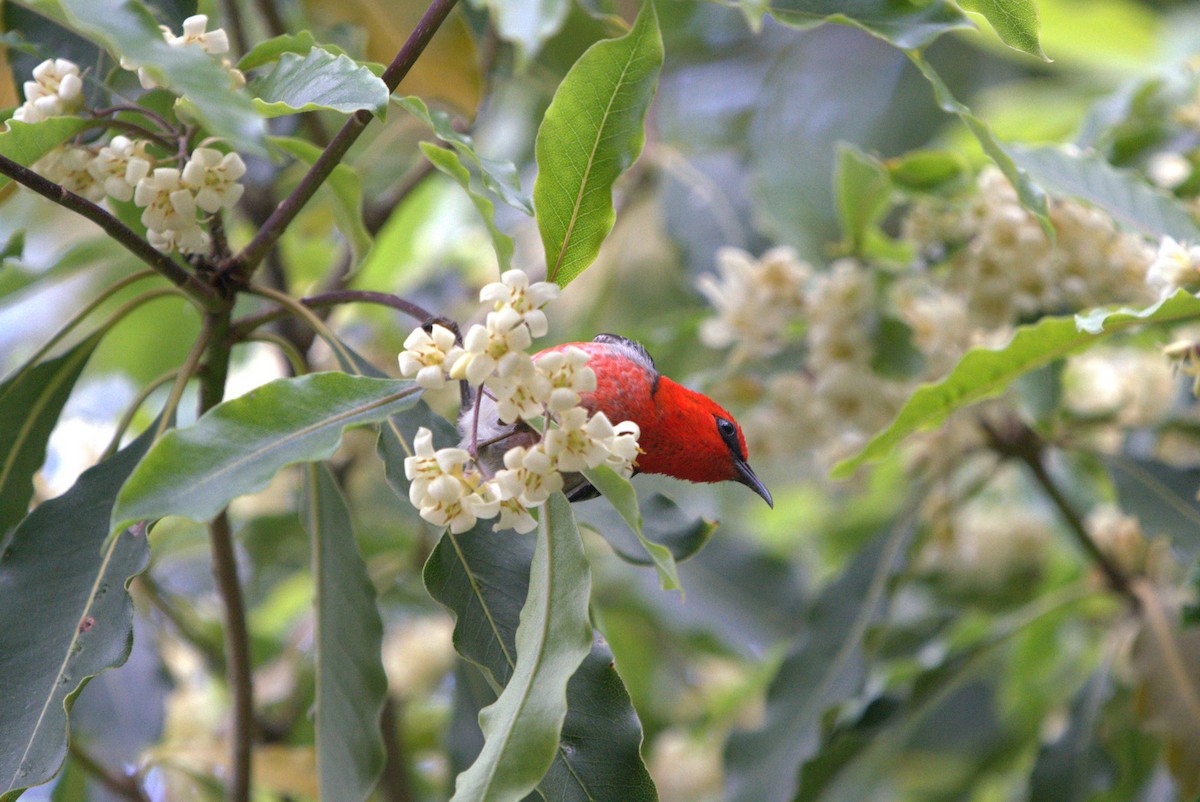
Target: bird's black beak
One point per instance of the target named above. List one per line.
(746, 476)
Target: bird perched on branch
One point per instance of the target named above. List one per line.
(683, 433)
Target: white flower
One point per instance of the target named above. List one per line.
(56, 87)
(68, 166)
(195, 32)
(519, 388)
(427, 465)
(568, 376)
(1168, 169)
(529, 476)
(755, 300)
(515, 516)
(213, 176)
(168, 202)
(120, 165)
(1176, 265)
(514, 291)
(623, 447)
(484, 346)
(425, 355)
(143, 77)
(579, 442)
(191, 239)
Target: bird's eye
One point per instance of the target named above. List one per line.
(728, 432)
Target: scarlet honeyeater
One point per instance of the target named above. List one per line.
(684, 434)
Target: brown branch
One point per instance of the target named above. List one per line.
(121, 785)
(202, 293)
(394, 784)
(377, 213)
(241, 328)
(336, 150)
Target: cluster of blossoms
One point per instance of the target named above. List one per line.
(173, 200)
(755, 300)
(56, 89)
(452, 486)
(195, 33)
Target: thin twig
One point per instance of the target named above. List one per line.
(333, 153)
(378, 212)
(130, 411)
(133, 128)
(186, 371)
(119, 784)
(233, 18)
(1016, 440)
(243, 326)
(203, 294)
(394, 784)
(164, 125)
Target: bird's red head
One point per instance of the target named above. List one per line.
(683, 433)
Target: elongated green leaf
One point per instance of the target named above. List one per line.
(481, 577)
(1030, 195)
(863, 191)
(826, 668)
(498, 175)
(319, 81)
(64, 615)
(1015, 22)
(344, 187)
(351, 684)
(521, 730)
(272, 49)
(30, 403)
(620, 493)
(448, 163)
(984, 372)
(126, 29)
(25, 143)
(592, 131)
(663, 522)
(238, 446)
(906, 25)
(1123, 194)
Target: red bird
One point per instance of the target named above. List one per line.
(683, 433)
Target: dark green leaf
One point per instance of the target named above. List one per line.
(499, 176)
(319, 81)
(1123, 194)
(1030, 195)
(663, 522)
(620, 494)
(238, 446)
(521, 729)
(351, 684)
(863, 193)
(25, 143)
(1015, 22)
(344, 187)
(591, 133)
(481, 577)
(983, 372)
(906, 25)
(127, 29)
(825, 669)
(448, 163)
(1163, 498)
(64, 615)
(272, 49)
(30, 402)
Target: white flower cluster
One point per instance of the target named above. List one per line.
(1175, 266)
(195, 32)
(450, 486)
(755, 299)
(56, 89)
(172, 199)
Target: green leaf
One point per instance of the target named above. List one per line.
(25, 143)
(664, 522)
(824, 670)
(481, 577)
(272, 49)
(1123, 194)
(620, 493)
(238, 446)
(1030, 195)
(498, 175)
(521, 729)
(1074, 767)
(984, 372)
(928, 170)
(319, 81)
(126, 29)
(30, 402)
(527, 24)
(64, 615)
(344, 187)
(1162, 496)
(592, 131)
(1015, 22)
(908, 26)
(445, 161)
(863, 190)
(351, 684)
